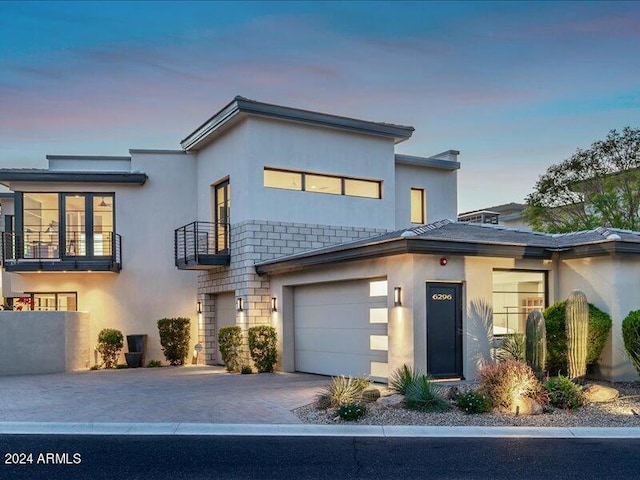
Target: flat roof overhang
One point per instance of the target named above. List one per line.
(47, 176)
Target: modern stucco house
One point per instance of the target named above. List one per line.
(332, 237)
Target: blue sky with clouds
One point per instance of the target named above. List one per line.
(515, 86)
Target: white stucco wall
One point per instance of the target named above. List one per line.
(441, 193)
(608, 283)
(255, 143)
(149, 287)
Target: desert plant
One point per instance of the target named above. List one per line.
(536, 343)
(599, 327)
(370, 395)
(512, 348)
(246, 370)
(154, 364)
(424, 396)
(174, 338)
(402, 377)
(473, 401)
(344, 390)
(577, 324)
(263, 342)
(631, 337)
(110, 342)
(352, 411)
(323, 401)
(507, 383)
(230, 344)
(563, 393)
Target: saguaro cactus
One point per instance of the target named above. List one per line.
(536, 343)
(577, 328)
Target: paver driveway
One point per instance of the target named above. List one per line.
(169, 394)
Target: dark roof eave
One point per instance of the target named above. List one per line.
(74, 177)
(402, 246)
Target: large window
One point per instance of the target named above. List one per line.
(56, 225)
(417, 206)
(47, 301)
(515, 294)
(316, 183)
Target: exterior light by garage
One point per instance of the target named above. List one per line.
(443, 261)
(199, 308)
(274, 304)
(397, 297)
(239, 304)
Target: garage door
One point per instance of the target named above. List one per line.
(341, 328)
(225, 312)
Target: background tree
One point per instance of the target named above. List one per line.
(596, 187)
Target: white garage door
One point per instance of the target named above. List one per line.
(225, 312)
(341, 328)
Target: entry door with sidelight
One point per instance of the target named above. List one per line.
(444, 330)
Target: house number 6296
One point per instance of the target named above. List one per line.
(442, 296)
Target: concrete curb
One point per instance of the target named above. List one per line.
(307, 430)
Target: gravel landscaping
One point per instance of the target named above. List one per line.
(622, 412)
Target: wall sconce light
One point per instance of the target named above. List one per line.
(274, 304)
(199, 308)
(239, 304)
(397, 297)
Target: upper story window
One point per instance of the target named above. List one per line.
(417, 206)
(330, 184)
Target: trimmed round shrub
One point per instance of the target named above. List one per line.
(631, 337)
(174, 338)
(473, 401)
(507, 383)
(263, 341)
(352, 411)
(599, 327)
(110, 342)
(230, 344)
(565, 394)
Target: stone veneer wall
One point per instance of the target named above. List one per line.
(252, 242)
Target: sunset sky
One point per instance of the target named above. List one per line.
(514, 86)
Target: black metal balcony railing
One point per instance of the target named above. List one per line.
(201, 244)
(45, 250)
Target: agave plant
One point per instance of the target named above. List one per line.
(402, 378)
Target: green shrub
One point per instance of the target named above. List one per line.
(230, 344)
(402, 377)
(631, 337)
(343, 391)
(246, 370)
(565, 394)
(598, 332)
(512, 348)
(423, 395)
(473, 401)
(174, 338)
(263, 343)
(154, 364)
(352, 411)
(507, 383)
(110, 342)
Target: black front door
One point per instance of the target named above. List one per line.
(444, 330)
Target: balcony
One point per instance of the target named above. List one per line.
(39, 251)
(201, 246)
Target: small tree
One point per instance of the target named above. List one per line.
(174, 338)
(110, 342)
(263, 347)
(230, 344)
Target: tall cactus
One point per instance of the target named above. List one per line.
(536, 343)
(577, 327)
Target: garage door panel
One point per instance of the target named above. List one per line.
(332, 328)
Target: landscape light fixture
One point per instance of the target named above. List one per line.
(397, 297)
(199, 308)
(274, 304)
(239, 304)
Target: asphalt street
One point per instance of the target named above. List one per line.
(95, 457)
